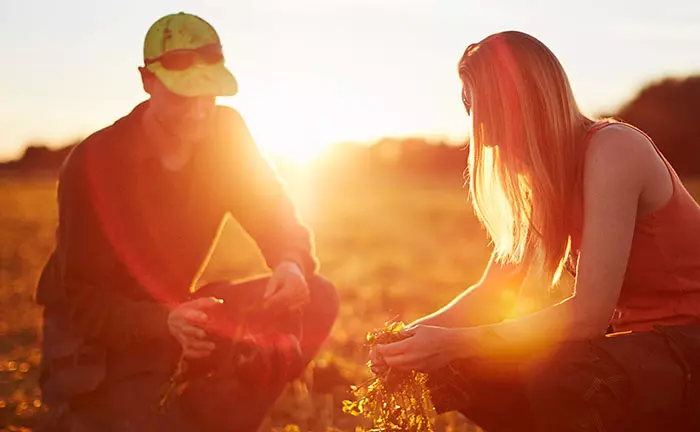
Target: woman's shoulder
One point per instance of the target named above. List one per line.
(619, 135)
(623, 158)
(619, 145)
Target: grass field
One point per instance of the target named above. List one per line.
(392, 249)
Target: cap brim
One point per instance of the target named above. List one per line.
(198, 80)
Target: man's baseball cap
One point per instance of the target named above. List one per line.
(184, 52)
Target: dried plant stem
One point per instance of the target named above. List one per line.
(394, 400)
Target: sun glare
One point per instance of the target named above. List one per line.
(295, 150)
(301, 132)
(281, 135)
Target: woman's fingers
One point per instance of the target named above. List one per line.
(379, 369)
(409, 360)
(376, 362)
(395, 348)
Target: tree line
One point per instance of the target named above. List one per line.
(668, 110)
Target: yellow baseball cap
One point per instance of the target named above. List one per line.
(184, 52)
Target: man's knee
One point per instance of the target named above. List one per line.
(324, 300)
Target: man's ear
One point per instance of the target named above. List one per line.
(147, 78)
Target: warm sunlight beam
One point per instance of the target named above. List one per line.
(296, 150)
(280, 134)
(295, 133)
(299, 123)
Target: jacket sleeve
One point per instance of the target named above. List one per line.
(258, 200)
(84, 261)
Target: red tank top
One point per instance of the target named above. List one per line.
(662, 281)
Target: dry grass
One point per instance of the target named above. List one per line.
(391, 249)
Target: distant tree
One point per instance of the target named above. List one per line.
(38, 159)
(669, 111)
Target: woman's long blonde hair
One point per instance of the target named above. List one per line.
(525, 150)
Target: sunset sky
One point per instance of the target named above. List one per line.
(316, 72)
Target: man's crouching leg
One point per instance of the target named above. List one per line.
(129, 405)
(247, 404)
(317, 319)
(318, 316)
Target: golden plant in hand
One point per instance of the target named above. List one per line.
(394, 400)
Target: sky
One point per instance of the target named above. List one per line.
(317, 72)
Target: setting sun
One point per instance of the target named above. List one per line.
(280, 134)
(300, 132)
(297, 150)
(276, 129)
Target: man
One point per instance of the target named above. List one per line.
(141, 203)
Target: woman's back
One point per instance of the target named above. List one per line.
(662, 281)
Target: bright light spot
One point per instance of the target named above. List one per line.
(292, 149)
(299, 123)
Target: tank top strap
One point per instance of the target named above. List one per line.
(600, 124)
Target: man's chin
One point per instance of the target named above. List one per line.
(188, 134)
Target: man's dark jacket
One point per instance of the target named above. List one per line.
(133, 237)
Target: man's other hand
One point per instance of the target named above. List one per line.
(185, 323)
(287, 288)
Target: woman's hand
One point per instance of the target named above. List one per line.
(376, 362)
(426, 348)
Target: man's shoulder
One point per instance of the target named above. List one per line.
(93, 145)
(226, 113)
(97, 146)
(230, 130)
(229, 121)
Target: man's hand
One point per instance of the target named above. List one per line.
(287, 288)
(185, 323)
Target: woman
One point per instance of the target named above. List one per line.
(559, 191)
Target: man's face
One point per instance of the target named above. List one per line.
(187, 118)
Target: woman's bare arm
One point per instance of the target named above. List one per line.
(488, 301)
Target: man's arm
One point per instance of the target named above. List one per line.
(84, 261)
(259, 202)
